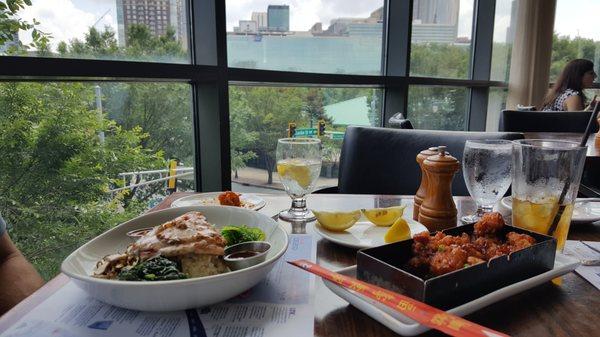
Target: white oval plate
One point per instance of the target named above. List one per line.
(252, 201)
(586, 210)
(364, 234)
(405, 326)
(175, 294)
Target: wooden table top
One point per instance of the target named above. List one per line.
(593, 142)
(570, 309)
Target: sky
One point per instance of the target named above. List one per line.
(68, 19)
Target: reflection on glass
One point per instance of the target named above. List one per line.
(81, 158)
(437, 108)
(441, 38)
(148, 30)
(306, 36)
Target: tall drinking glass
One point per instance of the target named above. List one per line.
(545, 184)
(299, 166)
(487, 171)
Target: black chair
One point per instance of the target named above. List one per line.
(544, 121)
(383, 161)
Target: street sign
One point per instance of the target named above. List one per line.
(308, 132)
(335, 135)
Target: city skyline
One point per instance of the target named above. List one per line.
(75, 17)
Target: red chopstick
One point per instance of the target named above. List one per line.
(418, 311)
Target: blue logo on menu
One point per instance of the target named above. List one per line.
(100, 325)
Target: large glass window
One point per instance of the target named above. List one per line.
(103, 30)
(306, 36)
(261, 115)
(576, 34)
(504, 35)
(79, 158)
(441, 38)
(437, 108)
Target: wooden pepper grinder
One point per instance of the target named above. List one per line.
(422, 191)
(438, 210)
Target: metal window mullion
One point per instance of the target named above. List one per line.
(396, 60)
(481, 60)
(211, 130)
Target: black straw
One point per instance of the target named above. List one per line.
(561, 199)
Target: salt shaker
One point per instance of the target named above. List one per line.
(438, 210)
(422, 191)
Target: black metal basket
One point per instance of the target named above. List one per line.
(385, 266)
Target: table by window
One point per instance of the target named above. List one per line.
(547, 310)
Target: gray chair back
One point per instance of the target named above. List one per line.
(544, 121)
(383, 161)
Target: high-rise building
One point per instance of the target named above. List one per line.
(157, 15)
(261, 20)
(441, 12)
(278, 18)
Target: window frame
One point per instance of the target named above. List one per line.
(210, 77)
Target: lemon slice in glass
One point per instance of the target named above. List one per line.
(384, 216)
(398, 232)
(295, 169)
(337, 221)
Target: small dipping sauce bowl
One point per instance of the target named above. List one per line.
(246, 254)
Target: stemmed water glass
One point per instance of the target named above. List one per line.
(487, 166)
(299, 166)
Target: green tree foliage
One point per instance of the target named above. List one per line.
(565, 49)
(56, 172)
(11, 24)
(241, 138)
(439, 60)
(271, 111)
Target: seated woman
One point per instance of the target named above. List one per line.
(567, 92)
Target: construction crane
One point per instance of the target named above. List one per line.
(102, 17)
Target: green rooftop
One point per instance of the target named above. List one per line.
(351, 112)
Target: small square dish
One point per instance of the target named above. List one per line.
(404, 326)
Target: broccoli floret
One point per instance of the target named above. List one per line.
(238, 234)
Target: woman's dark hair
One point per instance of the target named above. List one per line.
(570, 78)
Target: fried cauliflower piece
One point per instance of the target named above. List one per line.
(489, 224)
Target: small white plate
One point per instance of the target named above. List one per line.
(405, 326)
(586, 210)
(364, 234)
(249, 201)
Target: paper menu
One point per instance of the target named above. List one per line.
(582, 252)
(281, 305)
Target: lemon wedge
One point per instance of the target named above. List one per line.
(296, 170)
(337, 221)
(398, 232)
(384, 216)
